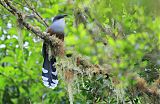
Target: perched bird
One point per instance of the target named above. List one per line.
(49, 72)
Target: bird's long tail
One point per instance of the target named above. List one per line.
(49, 73)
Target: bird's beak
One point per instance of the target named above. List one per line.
(64, 15)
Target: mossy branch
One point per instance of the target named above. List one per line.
(45, 36)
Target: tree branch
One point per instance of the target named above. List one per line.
(80, 62)
(20, 16)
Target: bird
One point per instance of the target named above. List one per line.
(49, 72)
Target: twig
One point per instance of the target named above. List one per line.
(4, 5)
(33, 9)
(20, 16)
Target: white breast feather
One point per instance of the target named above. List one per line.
(58, 25)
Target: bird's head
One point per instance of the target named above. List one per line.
(59, 17)
(58, 23)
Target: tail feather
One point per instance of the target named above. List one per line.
(49, 73)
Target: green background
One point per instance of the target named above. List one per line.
(122, 36)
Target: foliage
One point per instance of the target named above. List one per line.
(121, 35)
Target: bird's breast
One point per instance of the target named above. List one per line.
(58, 26)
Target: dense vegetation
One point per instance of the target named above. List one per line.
(112, 52)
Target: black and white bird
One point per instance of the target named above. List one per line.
(49, 72)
